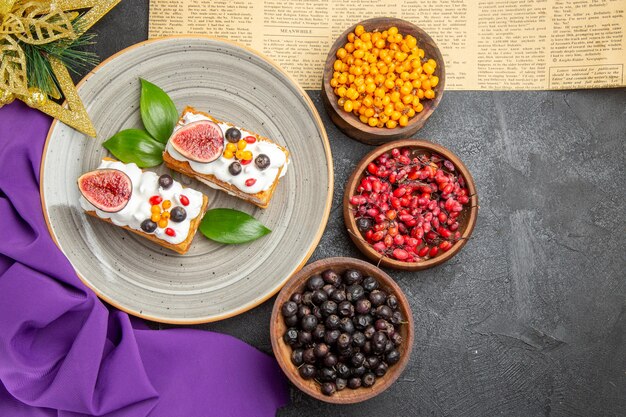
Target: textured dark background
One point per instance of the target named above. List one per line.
(530, 318)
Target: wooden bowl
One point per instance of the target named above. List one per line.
(283, 351)
(467, 219)
(348, 123)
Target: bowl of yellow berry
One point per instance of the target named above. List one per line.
(383, 78)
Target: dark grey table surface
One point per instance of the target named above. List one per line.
(530, 318)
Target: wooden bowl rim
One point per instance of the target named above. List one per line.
(290, 370)
(366, 248)
(350, 118)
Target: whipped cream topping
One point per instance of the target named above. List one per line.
(219, 168)
(145, 185)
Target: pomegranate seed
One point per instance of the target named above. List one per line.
(184, 200)
(155, 200)
(170, 232)
(250, 139)
(250, 182)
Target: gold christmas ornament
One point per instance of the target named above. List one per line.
(39, 22)
(35, 98)
(6, 97)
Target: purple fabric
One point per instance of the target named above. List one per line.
(65, 353)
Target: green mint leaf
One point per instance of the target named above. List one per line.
(134, 145)
(231, 226)
(158, 111)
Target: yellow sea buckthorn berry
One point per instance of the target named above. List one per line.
(349, 46)
(420, 93)
(247, 155)
(341, 101)
(231, 147)
(399, 106)
(241, 144)
(239, 154)
(356, 104)
(380, 92)
(391, 124)
(163, 223)
(369, 112)
(155, 209)
(420, 53)
(359, 30)
(386, 100)
(155, 217)
(428, 69)
(372, 121)
(399, 82)
(414, 75)
(416, 101)
(347, 106)
(337, 65)
(417, 83)
(165, 215)
(341, 91)
(432, 62)
(228, 154)
(334, 83)
(408, 99)
(351, 37)
(404, 76)
(357, 44)
(385, 34)
(341, 53)
(406, 89)
(395, 96)
(430, 94)
(395, 115)
(360, 90)
(378, 102)
(370, 88)
(388, 109)
(419, 107)
(393, 31)
(403, 120)
(366, 37)
(379, 79)
(351, 78)
(434, 80)
(380, 43)
(166, 204)
(363, 118)
(358, 53)
(343, 78)
(426, 85)
(389, 83)
(410, 113)
(367, 101)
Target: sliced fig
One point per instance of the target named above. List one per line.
(108, 190)
(200, 141)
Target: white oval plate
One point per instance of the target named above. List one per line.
(212, 281)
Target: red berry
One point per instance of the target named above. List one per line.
(155, 200)
(388, 240)
(250, 182)
(400, 254)
(445, 246)
(170, 232)
(184, 200)
(423, 252)
(379, 247)
(433, 251)
(250, 139)
(245, 161)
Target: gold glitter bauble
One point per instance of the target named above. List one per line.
(36, 98)
(6, 97)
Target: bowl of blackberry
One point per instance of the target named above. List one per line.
(342, 330)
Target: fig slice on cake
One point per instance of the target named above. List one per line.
(200, 141)
(108, 190)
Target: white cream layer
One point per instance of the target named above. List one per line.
(145, 185)
(219, 168)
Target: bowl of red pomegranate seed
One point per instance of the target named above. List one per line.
(410, 204)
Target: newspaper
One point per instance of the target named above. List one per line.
(486, 44)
